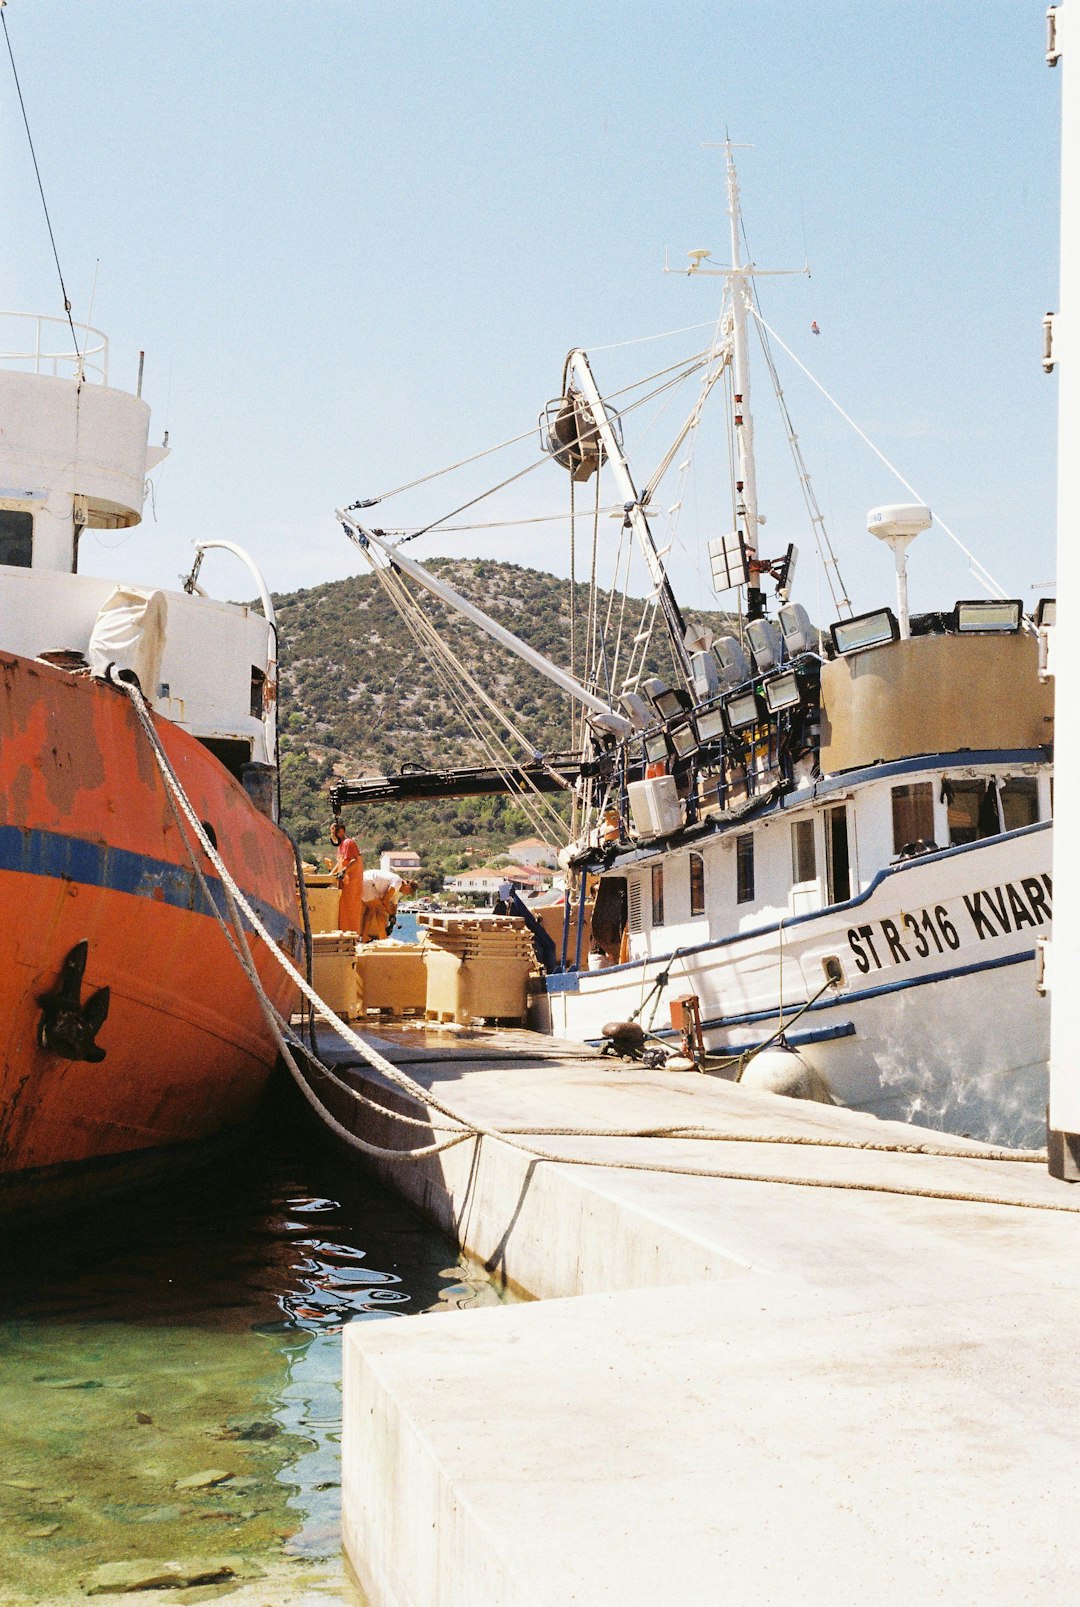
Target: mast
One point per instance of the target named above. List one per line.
(746, 504)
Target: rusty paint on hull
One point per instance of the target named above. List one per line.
(89, 849)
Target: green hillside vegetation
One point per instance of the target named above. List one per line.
(358, 697)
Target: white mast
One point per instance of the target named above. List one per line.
(746, 505)
(737, 282)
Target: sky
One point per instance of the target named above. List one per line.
(356, 240)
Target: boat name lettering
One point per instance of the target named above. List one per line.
(917, 935)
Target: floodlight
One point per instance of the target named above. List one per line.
(1000, 617)
(1046, 612)
(731, 657)
(766, 644)
(742, 710)
(865, 630)
(698, 638)
(656, 749)
(667, 702)
(710, 725)
(683, 739)
(783, 692)
(727, 556)
(637, 710)
(795, 627)
(706, 674)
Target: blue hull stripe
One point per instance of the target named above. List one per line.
(842, 1001)
(567, 981)
(60, 857)
(797, 1040)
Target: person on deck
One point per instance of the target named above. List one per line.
(349, 870)
(382, 889)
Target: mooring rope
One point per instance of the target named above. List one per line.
(463, 1130)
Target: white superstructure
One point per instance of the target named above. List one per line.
(74, 456)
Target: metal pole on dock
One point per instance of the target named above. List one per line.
(1064, 354)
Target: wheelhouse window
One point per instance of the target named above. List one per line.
(1019, 802)
(658, 895)
(837, 854)
(803, 857)
(972, 809)
(16, 538)
(912, 815)
(744, 868)
(697, 885)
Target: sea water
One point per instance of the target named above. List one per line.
(170, 1376)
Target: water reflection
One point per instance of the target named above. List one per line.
(170, 1367)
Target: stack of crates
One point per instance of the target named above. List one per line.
(333, 972)
(393, 978)
(477, 967)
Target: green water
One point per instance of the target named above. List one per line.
(170, 1377)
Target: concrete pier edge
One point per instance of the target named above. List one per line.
(731, 1388)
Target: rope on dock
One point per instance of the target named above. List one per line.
(460, 1130)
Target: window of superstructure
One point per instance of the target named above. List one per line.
(744, 868)
(971, 807)
(837, 854)
(912, 814)
(658, 895)
(697, 885)
(16, 538)
(1019, 802)
(803, 857)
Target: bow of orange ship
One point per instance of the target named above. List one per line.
(129, 1031)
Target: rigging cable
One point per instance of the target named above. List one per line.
(514, 440)
(453, 675)
(685, 373)
(826, 552)
(982, 575)
(41, 191)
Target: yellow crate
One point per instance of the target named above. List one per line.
(392, 976)
(323, 895)
(487, 988)
(333, 973)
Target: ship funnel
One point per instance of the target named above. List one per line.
(899, 523)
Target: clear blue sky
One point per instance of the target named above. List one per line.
(356, 240)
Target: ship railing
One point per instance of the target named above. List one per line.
(39, 343)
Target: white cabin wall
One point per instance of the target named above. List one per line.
(210, 647)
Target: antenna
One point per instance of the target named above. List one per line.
(899, 523)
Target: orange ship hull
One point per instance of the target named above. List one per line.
(90, 852)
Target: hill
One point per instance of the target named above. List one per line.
(358, 696)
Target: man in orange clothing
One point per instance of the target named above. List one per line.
(349, 870)
(382, 889)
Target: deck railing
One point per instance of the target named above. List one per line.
(41, 344)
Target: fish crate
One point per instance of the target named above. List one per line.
(393, 977)
(323, 895)
(480, 986)
(333, 972)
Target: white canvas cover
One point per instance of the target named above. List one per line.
(129, 633)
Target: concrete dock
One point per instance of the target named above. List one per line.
(801, 1361)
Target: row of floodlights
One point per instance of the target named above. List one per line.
(734, 713)
(723, 670)
(721, 664)
(998, 617)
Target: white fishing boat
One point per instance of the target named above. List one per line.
(833, 843)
